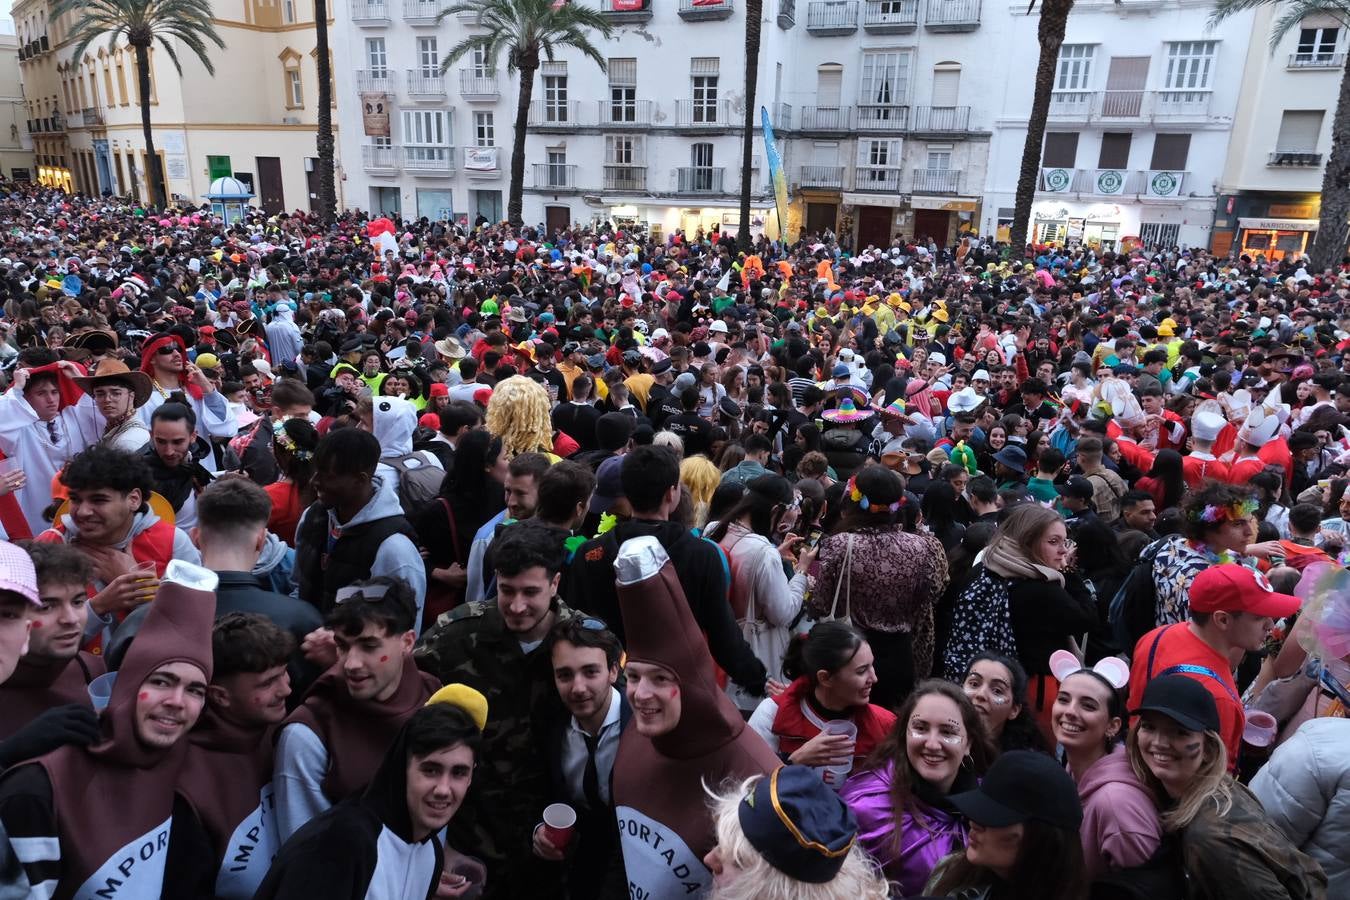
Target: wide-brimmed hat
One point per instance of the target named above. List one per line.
(847, 411)
(114, 371)
(98, 339)
(449, 348)
(964, 400)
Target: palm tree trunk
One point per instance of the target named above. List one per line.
(1329, 247)
(753, 13)
(1054, 18)
(324, 140)
(154, 173)
(515, 200)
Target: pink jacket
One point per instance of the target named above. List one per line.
(1120, 822)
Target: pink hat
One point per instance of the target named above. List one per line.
(17, 573)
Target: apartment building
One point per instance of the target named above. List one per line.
(16, 147)
(44, 118)
(1269, 194)
(1143, 110)
(876, 105)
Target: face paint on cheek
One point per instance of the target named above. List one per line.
(37, 623)
(384, 659)
(145, 694)
(1191, 751)
(675, 692)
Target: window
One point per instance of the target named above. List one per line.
(1170, 152)
(1159, 234)
(704, 74)
(121, 81)
(703, 177)
(1075, 67)
(556, 170)
(939, 158)
(624, 150)
(377, 57)
(1190, 65)
(623, 90)
(484, 130)
(701, 156)
(1299, 131)
(219, 167)
(482, 67)
(1115, 152)
(885, 78)
(107, 83)
(1061, 150)
(426, 136)
(384, 143)
(555, 98)
(294, 95)
(1316, 45)
(288, 11)
(428, 60)
(879, 153)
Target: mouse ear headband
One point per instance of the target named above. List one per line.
(1112, 669)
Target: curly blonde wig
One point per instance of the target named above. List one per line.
(518, 413)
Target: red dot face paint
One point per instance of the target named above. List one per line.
(384, 659)
(145, 694)
(674, 692)
(37, 623)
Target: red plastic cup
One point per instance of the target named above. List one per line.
(560, 821)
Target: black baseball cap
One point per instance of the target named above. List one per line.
(1183, 700)
(1077, 486)
(1021, 785)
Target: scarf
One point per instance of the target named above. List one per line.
(176, 484)
(1003, 557)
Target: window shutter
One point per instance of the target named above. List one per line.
(1299, 130)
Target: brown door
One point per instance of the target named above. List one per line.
(820, 216)
(269, 184)
(557, 218)
(932, 223)
(874, 225)
(312, 184)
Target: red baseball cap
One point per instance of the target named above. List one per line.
(1234, 588)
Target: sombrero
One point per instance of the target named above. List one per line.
(114, 371)
(861, 399)
(846, 412)
(894, 410)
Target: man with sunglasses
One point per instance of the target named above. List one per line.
(164, 359)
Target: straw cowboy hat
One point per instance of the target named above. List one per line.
(114, 371)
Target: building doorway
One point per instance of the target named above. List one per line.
(821, 216)
(874, 225)
(557, 218)
(271, 197)
(933, 223)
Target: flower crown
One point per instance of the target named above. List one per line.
(282, 437)
(1240, 509)
(859, 498)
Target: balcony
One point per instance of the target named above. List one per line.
(626, 113)
(890, 16)
(1112, 182)
(1316, 60)
(91, 116)
(625, 11)
(941, 119)
(476, 85)
(936, 181)
(422, 12)
(1294, 159)
(42, 42)
(952, 15)
(379, 160)
(877, 179)
(827, 17)
(829, 177)
(828, 119)
(1127, 106)
(555, 177)
(370, 13)
(424, 86)
(877, 117)
(787, 14)
(425, 160)
(705, 10)
(383, 81)
(625, 178)
(700, 114)
(699, 179)
(550, 115)
(1181, 105)
(782, 117)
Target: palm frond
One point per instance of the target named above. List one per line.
(1294, 12)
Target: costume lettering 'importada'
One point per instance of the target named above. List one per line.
(665, 828)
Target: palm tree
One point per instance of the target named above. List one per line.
(1332, 228)
(529, 31)
(1050, 31)
(141, 23)
(753, 12)
(324, 140)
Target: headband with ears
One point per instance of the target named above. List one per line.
(1113, 669)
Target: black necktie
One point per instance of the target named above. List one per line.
(590, 779)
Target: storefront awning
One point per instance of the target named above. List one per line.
(1278, 224)
(955, 204)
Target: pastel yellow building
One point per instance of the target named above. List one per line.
(16, 149)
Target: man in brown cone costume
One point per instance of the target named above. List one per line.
(685, 732)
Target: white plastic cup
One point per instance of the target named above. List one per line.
(560, 821)
(1260, 729)
(834, 776)
(100, 690)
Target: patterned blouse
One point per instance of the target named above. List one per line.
(1175, 567)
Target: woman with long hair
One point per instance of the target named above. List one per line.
(700, 477)
(886, 579)
(1164, 481)
(994, 441)
(997, 685)
(832, 674)
(939, 506)
(293, 443)
(902, 795)
(1023, 843)
(753, 535)
(1230, 849)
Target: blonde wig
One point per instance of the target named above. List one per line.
(1212, 783)
(700, 476)
(518, 413)
(858, 879)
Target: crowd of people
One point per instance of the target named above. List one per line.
(395, 559)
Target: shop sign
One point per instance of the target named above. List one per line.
(1110, 182)
(1256, 224)
(1075, 230)
(1057, 181)
(1164, 184)
(894, 201)
(943, 203)
(1291, 210)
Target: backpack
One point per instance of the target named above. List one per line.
(1134, 608)
(981, 620)
(419, 480)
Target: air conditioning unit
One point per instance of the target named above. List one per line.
(290, 120)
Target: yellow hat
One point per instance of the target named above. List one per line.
(1167, 328)
(822, 312)
(894, 299)
(467, 699)
(904, 306)
(940, 314)
(208, 361)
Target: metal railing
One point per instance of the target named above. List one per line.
(1297, 159)
(782, 116)
(952, 12)
(699, 180)
(1316, 60)
(625, 178)
(91, 116)
(379, 157)
(625, 112)
(385, 80)
(787, 13)
(937, 181)
(1131, 104)
(877, 178)
(703, 114)
(609, 8)
(706, 9)
(821, 176)
(475, 83)
(422, 11)
(881, 14)
(427, 85)
(874, 117)
(370, 10)
(555, 114)
(825, 118)
(941, 118)
(555, 175)
(1181, 104)
(429, 159)
(832, 15)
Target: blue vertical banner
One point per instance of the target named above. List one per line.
(776, 173)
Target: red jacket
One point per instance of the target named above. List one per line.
(796, 723)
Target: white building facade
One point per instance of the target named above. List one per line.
(1141, 117)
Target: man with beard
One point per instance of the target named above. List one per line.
(118, 392)
(174, 455)
(164, 360)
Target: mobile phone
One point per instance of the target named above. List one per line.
(813, 538)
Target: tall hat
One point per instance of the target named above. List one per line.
(1259, 428)
(1207, 424)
